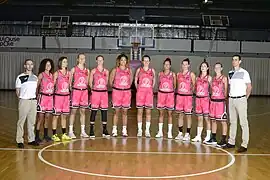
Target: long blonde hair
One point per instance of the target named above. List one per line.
(78, 56)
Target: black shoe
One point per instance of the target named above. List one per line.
(228, 146)
(47, 138)
(222, 144)
(105, 133)
(242, 149)
(20, 145)
(38, 140)
(33, 143)
(92, 133)
(212, 141)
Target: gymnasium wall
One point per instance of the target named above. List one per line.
(255, 56)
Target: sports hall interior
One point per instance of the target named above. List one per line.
(211, 30)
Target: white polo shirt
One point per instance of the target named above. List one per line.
(238, 80)
(27, 85)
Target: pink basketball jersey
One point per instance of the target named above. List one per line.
(166, 82)
(80, 78)
(145, 78)
(202, 86)
(99, 82)
(62, 83)
(217, 88)
(184, 83)
(47, 85)
(122, 78)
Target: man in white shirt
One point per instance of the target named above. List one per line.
(26, 85)
(240, 89)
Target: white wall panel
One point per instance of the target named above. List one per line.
(218, 46)
(255, 47)
(69, 42)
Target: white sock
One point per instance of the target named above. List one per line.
(139, 126)
(199, 131)
(124, 129)
(169, 127)
(147, 128)
(114, 128)
(160, 126)
(208, 133)
(82, 128)
(70, 128)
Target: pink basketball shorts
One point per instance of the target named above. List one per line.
(165, 100)
(144, 98)
(184, 104)
(79, 98)
(61, 104)
(99, 100)
(202, 106)
(45, 103)
(218, 110)
(121, 98)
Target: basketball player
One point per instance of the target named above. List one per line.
(167, 84)
(98, 83)
(202, 102)
(79, 94)
(219, 89)
(144, 83)
(61, 98)
(45, 90)
(185, 83)
(120, 80)
(26, 86)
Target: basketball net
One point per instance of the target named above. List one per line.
(135, 55)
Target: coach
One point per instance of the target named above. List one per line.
(26, 85)
(240, 89)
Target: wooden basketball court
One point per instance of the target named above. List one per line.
(132, 157)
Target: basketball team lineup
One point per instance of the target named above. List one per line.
(59, 94)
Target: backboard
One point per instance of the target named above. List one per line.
(141, 34)
(216, 20)
(54, 25)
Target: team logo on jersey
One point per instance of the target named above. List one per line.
(146, 83)
(82, 82)
(182, 87)
(123, 81)
(216, 91)
(165, 86)
(101, 83)
(64, 88)
(49, 88)
(200, 91)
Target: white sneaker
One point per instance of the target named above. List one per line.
(124, 133)
(186, 137)
(179, 136)
(147, 134)
(139, 134)
(170, 135)
(159, 134)
(72, 135)
(84, 135)
(207, 138)
(114, 133)
(197, 139)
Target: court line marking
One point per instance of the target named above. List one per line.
(136, 177)
(261, 114)
(136, 152)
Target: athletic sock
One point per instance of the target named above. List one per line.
(180, 129)
(45, 132)
(63, 130)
